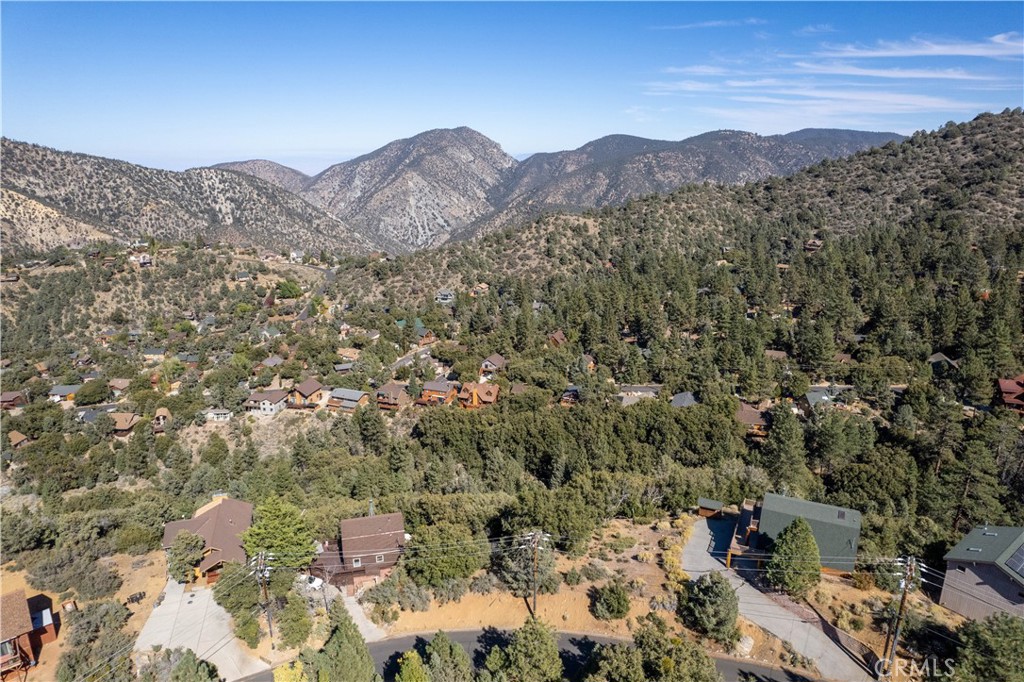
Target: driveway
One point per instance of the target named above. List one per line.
(192, 620)
(804, 635)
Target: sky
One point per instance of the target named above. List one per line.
(177, 85)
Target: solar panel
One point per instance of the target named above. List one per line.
(1016, 562)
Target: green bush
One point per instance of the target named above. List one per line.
(594, 571)
(247, 629)
(572, 577)
(611, 601)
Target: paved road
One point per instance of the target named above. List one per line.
(805, 637)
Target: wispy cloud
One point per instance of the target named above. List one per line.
(642, 114)
(696, 70)
(674, 87)
(814, 29)
(998, 46)
(719, 23)
(845, 69)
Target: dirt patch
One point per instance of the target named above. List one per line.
(146, 573)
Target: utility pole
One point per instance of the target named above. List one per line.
(261, 570)
(535, 541)
(907, 585)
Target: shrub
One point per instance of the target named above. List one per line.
(572, 577)
(451, 589)
(383, 615)
(137, 539)
(637, 586)
(485, 583)
(712, 607)
(645, 557)
(863, 580)
(247, 629)
(611, 601)
(594, 571)
(620, 544)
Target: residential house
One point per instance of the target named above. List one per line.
(347, 400)
(557, 338)
(480, 289)
(207, 324)
(835, 529)
(220, 523)
(391, 396)
(344, 367)
(296, 256)
(1011, 393)
(17, 652)
(83, 360)
(819, 398)
(269, 333)
(842, 359)
(518, 388)
(271, 362)
(493, 364)
(942, 362)
(349, 353)
(42, 369)
(777, 355)
(473, 395)
(365, 551)
(752, 418)
(124, 422)
(813, 245)
(153, 354)
(570, 396)
(242, 276)
(425, 337)
(119, 386)
(62, 393)
(588, 362)
(190, 360)
(985, 573)
(684, 399)
(18, 439)
(161, 419)
(266, 402)
(438, 392)
(630, 395)
(12, 399)
(306, 394)
(9, 277)
(145, 260)
(444, 297)
(217, 414)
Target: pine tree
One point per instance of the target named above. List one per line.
(411, 668)
(191, 669)
(344, 656)
(617, 663)
(795, 566)
(784, 454)
(448, 661)
(712, 607)
(295, 623)
(184, 555)
(992, 649)
(281, 531)
(533, 654)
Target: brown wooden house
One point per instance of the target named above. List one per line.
(161, 419)
(16, 651)
(18, 439)
(557, 338)
(221, 523)
(347, 400)
(391, 396)
(1011, 393)
(11, 399)
(366, 550)
(306, 394)
(124, 422)
(438, 392)
(753, 419)
(475, 395)
(492, 364)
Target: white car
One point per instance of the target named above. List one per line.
(313, 582)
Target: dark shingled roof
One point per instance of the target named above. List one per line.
(371, 535)
(308, 387)
(999, 545)
(221, 526)
(15, 618)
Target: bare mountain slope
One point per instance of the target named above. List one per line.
(414, 192)
(125, 201)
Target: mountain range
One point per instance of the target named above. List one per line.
(415, 193)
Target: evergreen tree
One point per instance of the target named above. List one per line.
(795, 566)
(294, 622)
(282, 533)
(784, 454)
(191, 669)
(447, 661)
(712, 607)
(428, 566)
(667, 658)
(184, 555)
(514, 566)
(532, 655)
(991, 650)
(411, 668)
(344, 656)
(616, 663)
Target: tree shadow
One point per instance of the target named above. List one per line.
(490, 638)
(391, 665)
(576, 657)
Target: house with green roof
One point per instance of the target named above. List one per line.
(836, 529)
(985, 573)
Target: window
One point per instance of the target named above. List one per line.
(962, 569)
(842, 514)
(380, 558)
(357, 562)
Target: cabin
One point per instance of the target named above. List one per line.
(753, 419)
(12, 399)
(776, 355)
(684, 399)
(842, 359)
(588, 363)
(480, 289)
(347, 400)
(118, 386)
(18, 439)
(220, 523)
(391, 396)
(438, 392)
(1011, 394)
(570, 396)
(306, 394)
(124, 422)
(813, 245)
(271, 362)
(63, 393)
(473, 395)
(365, 551)
(493, 364)
(985, 573)
(153, 354)
(217, 415)
(161, 419)
(17, 653)
(630, 395)
(835, 529)
(266, 403)
(425, 337)
(557, 339)
(942, 363)
(820, 398)
(444, 297)
(344, 367)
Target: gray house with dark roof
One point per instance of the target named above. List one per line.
(985, 573)
(835, 529)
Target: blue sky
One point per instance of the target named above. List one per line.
(176, 85)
